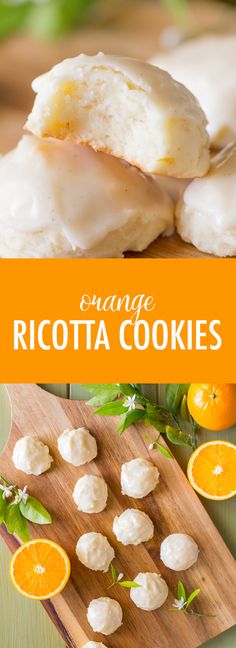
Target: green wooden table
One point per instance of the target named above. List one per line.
(31, 627)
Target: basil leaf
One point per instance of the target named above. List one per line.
(34, 511)
(163, 450)
(3, 506)
(16, 523)
(130, 418)
(113, 573)
(111, 409)
(102, 394)
(181, 591)
(191, 597)
(178, 437)
(174, 394)
(129, 584)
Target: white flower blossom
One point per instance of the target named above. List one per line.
(121, 575)
(130, 403)
(179, 604)
(23, 495)
(7, 491)
(151, 446)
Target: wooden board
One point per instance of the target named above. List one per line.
(173, 507)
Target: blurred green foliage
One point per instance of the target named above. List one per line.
(50, 18)
(47, 18)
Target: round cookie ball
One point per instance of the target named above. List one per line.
(133, 527)
(151, 594)
(31, 456)
(77, 446)
(94, 644)
(90, 494)
(138, 478)
(104, 615)
(94, 551)
(179, 551)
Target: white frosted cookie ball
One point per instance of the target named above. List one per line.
(206, 211)
(125, 107)
(94, 644)
(31, 456)
(78, 446)
(104, 615)
(122, 209)
(133, 527)
(90, 494)
(179, 551)
(151, 594)
(204, 66)
(138, 478)
(94, 551)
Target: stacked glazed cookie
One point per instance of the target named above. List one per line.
(84, 183)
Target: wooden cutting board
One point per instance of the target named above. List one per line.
(173, 507)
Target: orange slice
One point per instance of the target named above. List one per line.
(40, 569)
(212, 470)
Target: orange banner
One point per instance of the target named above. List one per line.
(117, 320)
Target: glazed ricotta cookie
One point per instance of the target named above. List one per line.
(204, 66)
(124, 107)
(151, 594)
(104, 615)
(94, 644)
(206, 213)
(133, 527)
(179, 551)
(119, 210)
(77, 446)
(138, 478)
(90, 494)
(31, 456)
(94, 551)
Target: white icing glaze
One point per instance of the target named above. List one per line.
(204, 66)
(90, 494)
(77, 446)
(138, 478)
(179, 551)
(151, 594)
(94, 551)
(126, 107)
(104, 615)
(61, 199)
(206, 213)
(31, 456)
(133, 527)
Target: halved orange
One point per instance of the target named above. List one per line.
(40, 569)
(212, 470)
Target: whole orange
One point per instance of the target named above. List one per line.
(212, 406)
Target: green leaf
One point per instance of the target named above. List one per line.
(130, 418)
(192, 597)
(178, 437)
(160, 427)
(16, 523)
(12, 17)
(34, 511)
(102, 394)
(113, 573)
(128, 390)
(3, 506)
(111, 409)
(163, 450)
(129, 584)
(184, 413)
(154, 413)
(174, 394)
(181, 591)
